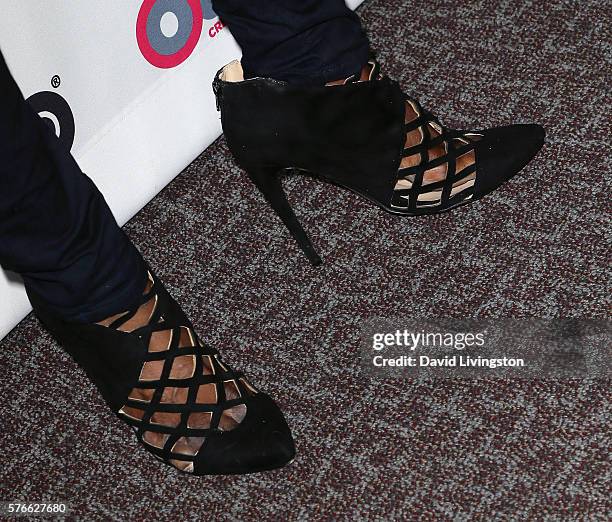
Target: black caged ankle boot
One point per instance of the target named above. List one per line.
(187, 407)
(366, 135)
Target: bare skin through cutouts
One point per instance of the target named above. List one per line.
(183, 367)
(416, 137)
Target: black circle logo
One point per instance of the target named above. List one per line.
(56, 113)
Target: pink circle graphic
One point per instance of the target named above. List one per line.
(167, 61)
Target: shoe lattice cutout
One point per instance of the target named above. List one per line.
(184, 391)
(415, 191)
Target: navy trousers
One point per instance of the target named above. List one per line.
(299, 41)
(57, 231)
(55, 227)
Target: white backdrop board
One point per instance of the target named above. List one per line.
(126, 84)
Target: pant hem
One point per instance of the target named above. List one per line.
(129, 297)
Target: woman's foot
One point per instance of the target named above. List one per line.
(185, 404)
(426, 144)
(365, 134)
(415, 137)
(183, 367)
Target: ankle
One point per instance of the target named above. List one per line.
(141, 316)
(364, 75)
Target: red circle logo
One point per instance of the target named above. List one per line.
(166, 52)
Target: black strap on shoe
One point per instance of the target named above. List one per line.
(171, 411)
(420, 196)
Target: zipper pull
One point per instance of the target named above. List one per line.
(218, 93)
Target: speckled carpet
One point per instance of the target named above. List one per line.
(372, 449)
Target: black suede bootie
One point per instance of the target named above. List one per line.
(367, 136)
(186, 405)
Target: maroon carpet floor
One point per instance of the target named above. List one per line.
(367, 448)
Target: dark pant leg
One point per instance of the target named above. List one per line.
(55, 227)
(300, 41)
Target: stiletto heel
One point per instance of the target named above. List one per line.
(267, 179)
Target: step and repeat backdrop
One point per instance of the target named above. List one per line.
(126, 85)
